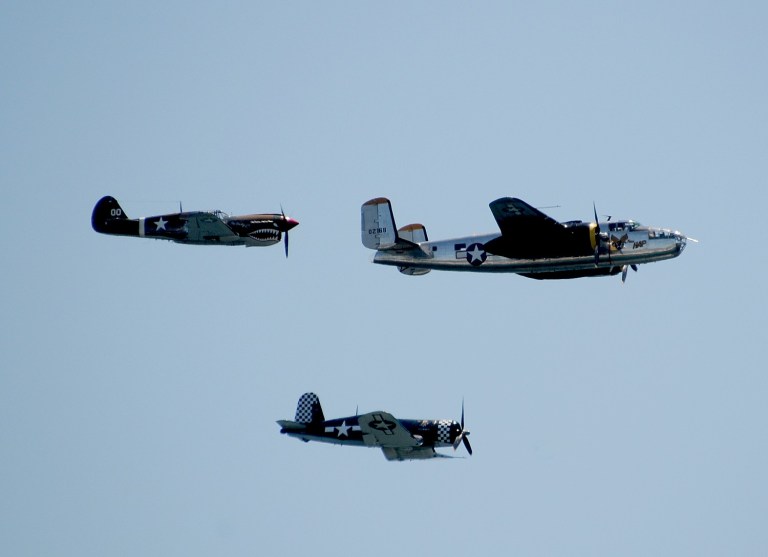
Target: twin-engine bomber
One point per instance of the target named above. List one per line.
(531, 244)
(195, 227)
(398, 439)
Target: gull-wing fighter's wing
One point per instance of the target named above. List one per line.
(206, 226)
(528, 233)
(411, 453)
(381, 429)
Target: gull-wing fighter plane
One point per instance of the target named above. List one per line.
(530, 244)
(194, 227)
(398, 439)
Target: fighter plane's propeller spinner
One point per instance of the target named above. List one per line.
(463, 435)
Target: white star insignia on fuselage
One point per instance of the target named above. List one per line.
(343, 429)
(161, 224)
(477, 254)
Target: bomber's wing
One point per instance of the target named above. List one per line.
(525, 231)
(382, 429)
(515, 216)
(206, 226)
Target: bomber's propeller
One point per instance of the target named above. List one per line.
(624, 269)
(463, 435)
(599, 236)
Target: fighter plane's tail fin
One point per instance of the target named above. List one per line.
(109, 218)
(308, 410)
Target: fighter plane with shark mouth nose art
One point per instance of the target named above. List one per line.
(531, 244)
(214, 228)
(398, 439)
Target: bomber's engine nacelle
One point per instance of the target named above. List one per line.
(413, 271)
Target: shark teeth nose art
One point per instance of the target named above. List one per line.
(266, 234)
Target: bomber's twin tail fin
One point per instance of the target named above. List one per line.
(378, 224)
(378, 228)
(415, 233)
(308, 410)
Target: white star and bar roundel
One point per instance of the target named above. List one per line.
(476, 254)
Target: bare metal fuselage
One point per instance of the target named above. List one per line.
(637, 246)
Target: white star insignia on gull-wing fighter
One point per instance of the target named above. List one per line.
(343, 429)
(161, 224)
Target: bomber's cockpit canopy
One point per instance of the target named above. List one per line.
(624, 226)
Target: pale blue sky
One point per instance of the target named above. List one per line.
(140, 380)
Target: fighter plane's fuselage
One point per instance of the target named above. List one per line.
(347, 431)
(195, 227)
(625, 244)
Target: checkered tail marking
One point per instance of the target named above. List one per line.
(309, 410)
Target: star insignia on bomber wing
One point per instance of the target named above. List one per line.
(161, 224)
(343, 429)
(476, 255)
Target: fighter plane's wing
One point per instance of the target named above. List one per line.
(207, 226)
(410, 453)
(381, 429)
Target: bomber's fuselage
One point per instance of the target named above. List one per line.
(623, 243)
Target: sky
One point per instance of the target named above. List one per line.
(140, 380)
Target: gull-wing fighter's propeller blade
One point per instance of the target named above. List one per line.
(463, 434)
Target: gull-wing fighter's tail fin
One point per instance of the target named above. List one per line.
(109, 218)
(308, 410)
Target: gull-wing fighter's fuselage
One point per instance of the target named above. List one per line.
(530, 244)
(194, 227)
